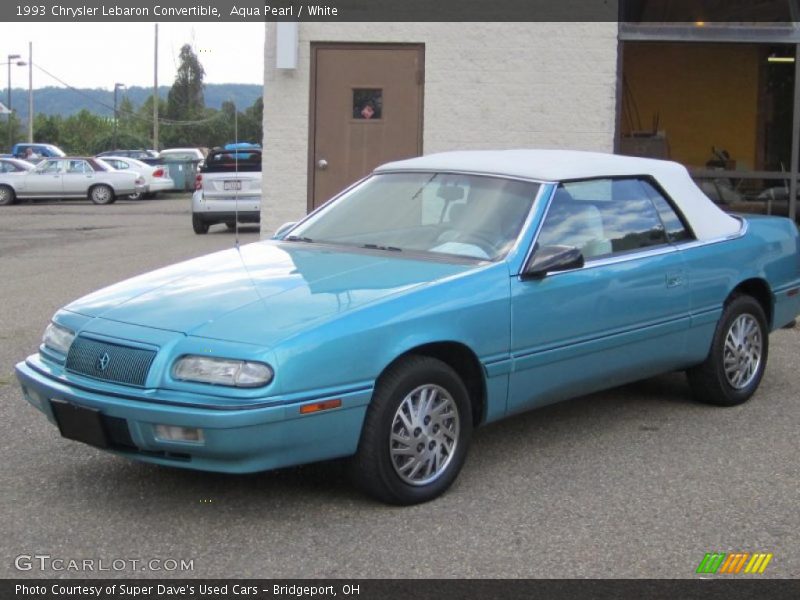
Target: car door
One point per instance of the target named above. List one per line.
(623, 316)
(44, 180)
(77, 178)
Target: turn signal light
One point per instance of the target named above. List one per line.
(318, 406)
(198, 182)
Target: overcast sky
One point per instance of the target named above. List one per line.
(101, 54)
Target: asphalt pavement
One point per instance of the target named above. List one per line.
(638, 481)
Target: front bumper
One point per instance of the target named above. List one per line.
(235, 441)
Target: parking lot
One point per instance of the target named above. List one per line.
(639, 481)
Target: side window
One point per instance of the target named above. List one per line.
(49, 166)
(78, 166)
(676, 230)
(602, 217)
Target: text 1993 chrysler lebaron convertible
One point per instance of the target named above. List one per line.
(437, 294)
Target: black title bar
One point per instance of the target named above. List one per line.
(662, 11)
(398, 589)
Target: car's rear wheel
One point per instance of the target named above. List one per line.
(136, 196)
(7, 195)
(416, 433)
(199, 225)
(733, 370)
(101, 194)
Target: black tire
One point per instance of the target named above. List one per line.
(135, 196)
(101, 194)
(709, 382)
(7, 195)
(199, 225)
(373, 468)
(231, 226)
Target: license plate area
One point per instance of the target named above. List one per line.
(232, 185)
(80, 423)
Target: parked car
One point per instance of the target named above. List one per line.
(155, 176)
(70, 177)
(227, 189)
(182, 154)
(437, 294)
(149, 157)
(14, 165)
(39, 151)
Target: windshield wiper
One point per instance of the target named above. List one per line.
(377, 247)
(298, 238)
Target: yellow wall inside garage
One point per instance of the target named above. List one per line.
(705, 94)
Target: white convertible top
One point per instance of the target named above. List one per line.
(706, 219)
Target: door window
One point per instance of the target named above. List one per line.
(602, 217)
(78, 166)
(49, 166)
(367, 104)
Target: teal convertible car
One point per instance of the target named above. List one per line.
(435, 295)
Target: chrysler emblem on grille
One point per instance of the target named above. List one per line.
(102, 362)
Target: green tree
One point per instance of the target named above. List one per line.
(185, 101)
(80, 130)
(251, 123)
(47, 129)
(10, 121)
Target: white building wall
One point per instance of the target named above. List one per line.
(487, 85)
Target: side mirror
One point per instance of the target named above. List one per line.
(549, 259)
(281, 231)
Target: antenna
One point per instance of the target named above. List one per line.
(236, 168)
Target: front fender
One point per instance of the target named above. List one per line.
(471, 309)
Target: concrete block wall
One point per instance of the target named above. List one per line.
(487, 85)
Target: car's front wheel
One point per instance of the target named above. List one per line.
(735, 365)
(101, 194)
(199, 225)
(7, 195)
(416, 432)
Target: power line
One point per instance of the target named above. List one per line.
(127, 112)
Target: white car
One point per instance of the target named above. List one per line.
(182, 154)
(227, 189)
(70, 177)
(156, 177)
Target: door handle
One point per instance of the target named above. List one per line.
(322, 164)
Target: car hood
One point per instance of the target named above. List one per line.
(260, 293)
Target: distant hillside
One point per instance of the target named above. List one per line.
(63, 101)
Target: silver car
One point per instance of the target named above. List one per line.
(70, 177)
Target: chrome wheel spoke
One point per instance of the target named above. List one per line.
(424, 434)
(743, 351)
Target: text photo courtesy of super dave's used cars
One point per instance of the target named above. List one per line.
(438, 294)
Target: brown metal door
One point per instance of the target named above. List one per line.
(366, 109)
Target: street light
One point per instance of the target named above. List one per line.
(12, 59)
(117, 86)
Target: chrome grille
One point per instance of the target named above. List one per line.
(109, 362)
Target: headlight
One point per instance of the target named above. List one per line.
(58, 338)
(222, 371)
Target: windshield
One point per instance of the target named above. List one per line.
(471, 216)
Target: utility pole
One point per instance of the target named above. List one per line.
(11, 59)
(30, 92)
(116, 114)
(155, 92)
